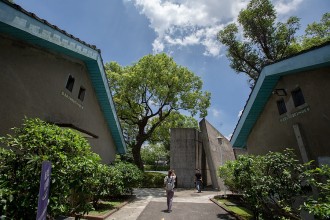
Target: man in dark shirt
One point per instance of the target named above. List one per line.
(198, 180)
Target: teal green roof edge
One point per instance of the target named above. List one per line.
(311, 59)
(20, 24)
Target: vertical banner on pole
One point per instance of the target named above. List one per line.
(44, 190)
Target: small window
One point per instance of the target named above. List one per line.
(70, 83)
(298, 97)
(81, 94)
(281, 106)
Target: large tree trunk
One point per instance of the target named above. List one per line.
(136, 150)
(142, 136)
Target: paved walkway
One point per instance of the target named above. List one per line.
(187, 204)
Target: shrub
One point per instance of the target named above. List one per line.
(73, 169)
(107, 181)
(319, 178)
(153, 180)
(131, 177)
(156, 167)
(270, 183)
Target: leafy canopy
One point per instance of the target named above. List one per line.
(154, 152)
(317, 33)
(175, 120)
(265, 40)
(149, 91)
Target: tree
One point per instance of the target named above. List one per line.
(159, 142)
(153, 152)
(151, 90)
(175, 120)
(317, 33)
(161, 135)
(265, 41)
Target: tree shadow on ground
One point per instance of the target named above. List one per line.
(226, 217)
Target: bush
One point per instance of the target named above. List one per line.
(153, 180)
(319, 178)
(131, 177)
(270, 183)
(78, 179)
(73, 168)
(156, 167)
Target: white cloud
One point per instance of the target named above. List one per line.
(157, 46)
(240, 113)
(215, 112)
(283, 7)
(184, 23)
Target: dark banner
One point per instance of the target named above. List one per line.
(44, 190)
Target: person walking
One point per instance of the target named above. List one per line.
(198, 180)
(169, 182)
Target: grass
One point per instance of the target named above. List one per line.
(239, 210)
(104, 207)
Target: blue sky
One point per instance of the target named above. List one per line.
(127, 30)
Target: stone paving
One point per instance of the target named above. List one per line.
(187, 204)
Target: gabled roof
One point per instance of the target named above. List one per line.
(26, 26)
(307, 60)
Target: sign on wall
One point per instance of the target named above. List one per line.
(295, 114)
(44, 190)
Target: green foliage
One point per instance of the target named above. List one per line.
(270, 183)
(107, 181)
(265, 40)
(320, 179)
(154, 152)
(71, 159)
(131, 176)
(161, 135)
(317, 33)
(156, 167)
(148, 92)
(77, 177)
(226, 172)
(153, 180)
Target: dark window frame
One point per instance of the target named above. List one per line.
(281, 106)
(70, 83)
(298, 97)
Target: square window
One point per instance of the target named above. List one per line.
(81, 94)
(298, 97)
(70, 83)
(281, 107)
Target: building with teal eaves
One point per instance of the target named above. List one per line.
(289, 107)
(50, 74)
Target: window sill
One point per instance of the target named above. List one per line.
(305, 105)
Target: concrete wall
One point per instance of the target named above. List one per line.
(217, 151)
(204, 167)
(32, 84)
(276, 132)
(192, 150)
(184, 151)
